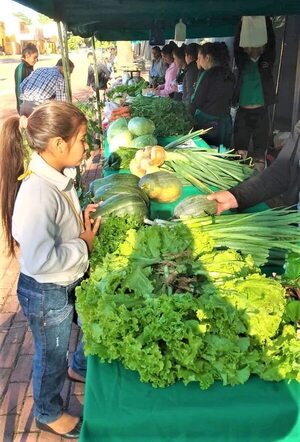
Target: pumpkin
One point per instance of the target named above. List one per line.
(162, 186)
(197, 205)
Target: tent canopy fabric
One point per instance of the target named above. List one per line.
(133, 19)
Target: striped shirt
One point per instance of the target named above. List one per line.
(42, 85)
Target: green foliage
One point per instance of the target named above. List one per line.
(169, 116)
(74, 42)
(22, 17)
(93, 125)
(132, 90)
(171, 307)
(44, 20)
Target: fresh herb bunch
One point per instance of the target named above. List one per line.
(171, 118)
(171, 307)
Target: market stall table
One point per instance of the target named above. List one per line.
(119, 408)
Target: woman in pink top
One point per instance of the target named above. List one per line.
(170, 76)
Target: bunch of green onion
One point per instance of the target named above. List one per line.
(267, 236)
(205, 169)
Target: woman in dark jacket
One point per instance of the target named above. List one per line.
(191, 72)
(281, 178)
(29, 58)
(211, 100)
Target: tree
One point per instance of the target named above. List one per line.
(44, 20)
(74, 42)
(23, 18)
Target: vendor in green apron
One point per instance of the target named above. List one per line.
(211, 100)
(25, 68)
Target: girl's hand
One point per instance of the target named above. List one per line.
(91, 226)
(224, 199)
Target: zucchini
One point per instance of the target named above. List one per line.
(108, 190)
(194, 206)
(121, 205)
(125, 178)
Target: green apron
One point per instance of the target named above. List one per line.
(19, 81)
(222, 124)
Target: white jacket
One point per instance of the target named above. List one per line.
(46, 228)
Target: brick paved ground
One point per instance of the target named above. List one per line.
(16, 404)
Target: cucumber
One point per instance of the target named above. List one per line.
(108, 190)
(197, 205)
(125, 178)
(121, 205)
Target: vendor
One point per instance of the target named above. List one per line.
(167, 88)
(179, 60)
(191, 72)
(280, 179)
(158, 68)
(255, 91)
(211, 100)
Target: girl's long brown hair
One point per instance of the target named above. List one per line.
(54, 119)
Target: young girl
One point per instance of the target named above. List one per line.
(42, 216)
(29, 58)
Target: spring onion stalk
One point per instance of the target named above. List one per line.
(267, 236)
(207, 168)
(187, 137)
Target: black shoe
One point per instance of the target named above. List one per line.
(73, 434)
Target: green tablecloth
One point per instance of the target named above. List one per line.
(119, 408)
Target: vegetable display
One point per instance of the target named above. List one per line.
(170, 117)
(169, 305)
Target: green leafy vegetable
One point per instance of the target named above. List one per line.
(170, 306)
(169, 116)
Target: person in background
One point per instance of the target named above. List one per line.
(212, 97)
(158, 67)
(281, 179)
(42, 85)
(111, 60)
(179, 60)
(255, 91)
(30, 56)
(103, 73)
(170, 76)
(42, 218)
(191, 72)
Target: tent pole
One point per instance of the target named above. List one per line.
(65, 37)
(278, 74)
(97, 87)
(65, 62)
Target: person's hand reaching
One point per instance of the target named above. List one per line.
(224, 199)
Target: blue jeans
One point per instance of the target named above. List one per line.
(49, 311)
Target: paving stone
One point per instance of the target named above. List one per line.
(27, 346)
(6, 320)
(7, 427)
(26, 421)
(9, 354)
(19, 316)
(11, 304)
(5, 374)
(27, 437)
(14, 398)
(3, 336)
(17, 333)
(22, 371)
